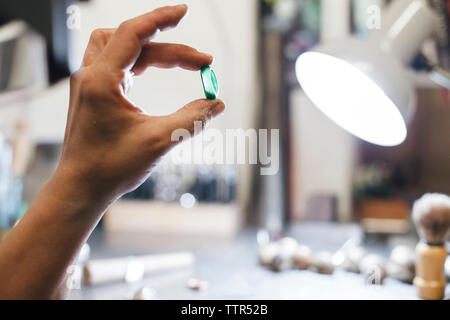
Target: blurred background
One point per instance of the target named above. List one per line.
(332, 191)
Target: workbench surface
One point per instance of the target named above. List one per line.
(231, 269)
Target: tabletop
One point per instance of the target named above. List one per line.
(231, 269)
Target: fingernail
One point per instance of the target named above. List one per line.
(210, 57)
(185, 6)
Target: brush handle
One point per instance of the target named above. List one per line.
(430, 277)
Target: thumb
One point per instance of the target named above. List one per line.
(164, 132)
(191, 114)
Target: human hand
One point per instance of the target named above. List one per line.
(110, 144)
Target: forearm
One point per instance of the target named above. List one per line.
(36, 253)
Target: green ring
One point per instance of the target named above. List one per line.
(209, 81)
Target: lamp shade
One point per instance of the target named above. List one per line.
(363, 85)
(361, 88)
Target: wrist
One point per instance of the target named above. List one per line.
(68, 188)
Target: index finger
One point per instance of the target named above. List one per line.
(125, 45)
(170, 55)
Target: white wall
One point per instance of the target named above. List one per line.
(226, 29)
(324, 157)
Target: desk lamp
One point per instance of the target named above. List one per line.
(362, 85)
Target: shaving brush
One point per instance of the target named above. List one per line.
(431, 215)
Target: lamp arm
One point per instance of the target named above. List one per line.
(407, 30)
(440, 76)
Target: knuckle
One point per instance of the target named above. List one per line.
(87, 85)
(153, 26)
(100, 35)
(126, 26)
(128, 29)
(96, 34)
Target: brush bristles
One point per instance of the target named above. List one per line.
(431, 215)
